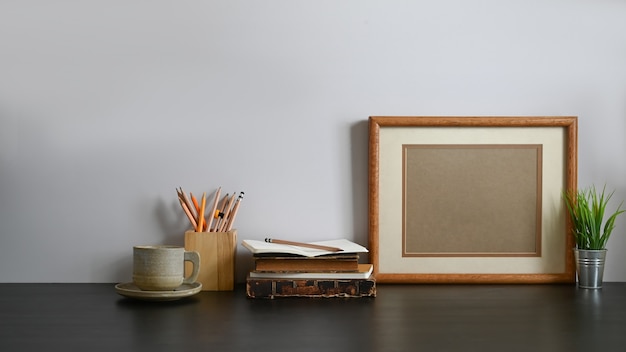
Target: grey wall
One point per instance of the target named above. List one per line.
(107, 106)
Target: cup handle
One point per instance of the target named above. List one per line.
(194, 258)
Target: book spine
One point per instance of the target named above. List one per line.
(305, 265)
(276, 288)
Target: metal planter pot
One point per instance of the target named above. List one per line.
(589, 267)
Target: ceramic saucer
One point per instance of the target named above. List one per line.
(185, 290)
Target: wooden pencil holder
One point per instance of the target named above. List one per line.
(217, 258)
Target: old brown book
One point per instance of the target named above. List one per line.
(277, 288)
(338, 263)
(365, 271)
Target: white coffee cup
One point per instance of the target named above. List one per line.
(162, 268)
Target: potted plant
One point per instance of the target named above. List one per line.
(587, 210)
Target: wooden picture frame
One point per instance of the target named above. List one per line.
(471, 199)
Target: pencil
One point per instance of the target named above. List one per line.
(307, 245)
(204, 223)
(201, 214)
(182, 195)
(191, 219)
(213, 208)
(233, 214)
(221, 213)
(195, 202)
(227, 213)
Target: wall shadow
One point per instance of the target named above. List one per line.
(359, 138)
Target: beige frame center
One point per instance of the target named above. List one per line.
(471, 200)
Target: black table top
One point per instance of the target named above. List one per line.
(94, 317)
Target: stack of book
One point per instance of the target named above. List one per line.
(291, 269)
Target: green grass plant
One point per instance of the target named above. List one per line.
(587, 210)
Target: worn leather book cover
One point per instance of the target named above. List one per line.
(337, 263)
(277, 288)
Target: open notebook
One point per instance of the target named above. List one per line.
(262, 247)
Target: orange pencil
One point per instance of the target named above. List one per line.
(195, 202)
(201, 214)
